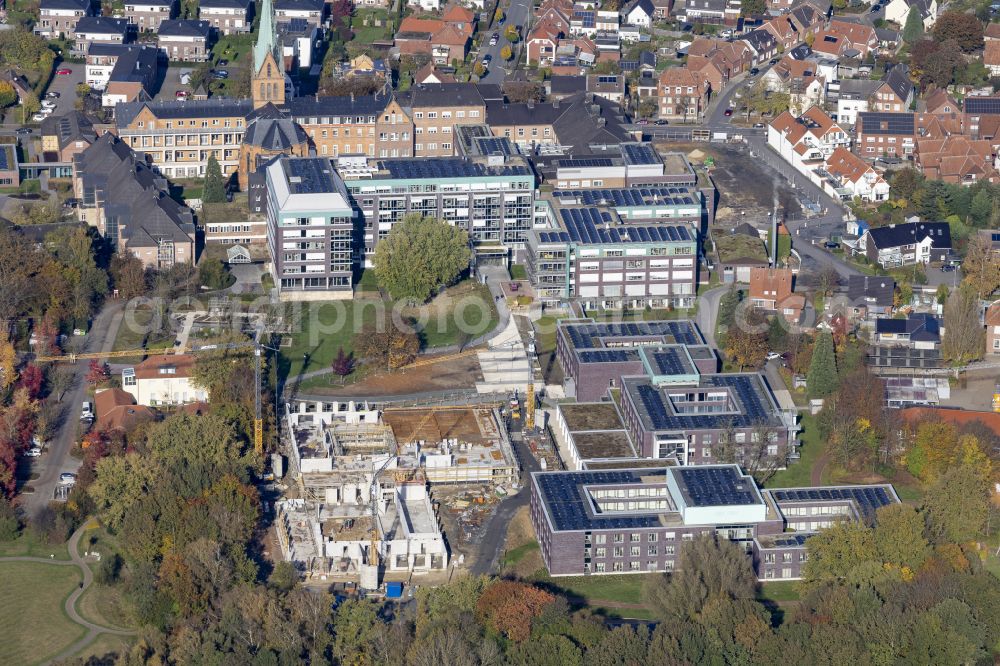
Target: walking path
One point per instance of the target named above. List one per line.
(93, 630)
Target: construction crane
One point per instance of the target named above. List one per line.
(258, 347)
(374, 553)
(529, 406)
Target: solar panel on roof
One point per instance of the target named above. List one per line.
(4, 159)
(868, 499)
(982, 105)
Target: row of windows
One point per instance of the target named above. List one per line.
(652, 565)
(431, 115)
(619, 551)
(634, 537)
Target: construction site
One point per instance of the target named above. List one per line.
(360, 483)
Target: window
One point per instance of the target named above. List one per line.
(634, 538)
(599, 567)
(633, 566)
(618, 567)
(652, 551)
(651, 538)
(619, 551)
(601, 538)
(634, 551)
(619, 538)
(601, 552)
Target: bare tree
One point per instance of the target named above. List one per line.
(765, 453)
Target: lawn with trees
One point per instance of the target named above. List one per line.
(35, 625)
(420, 256)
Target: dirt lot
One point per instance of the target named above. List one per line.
(745, 185)
(523, 559)
(461, 373)
(466, 425)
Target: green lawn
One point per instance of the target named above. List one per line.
(518, 272)
(134, 333)
(476, 317)
(778, 591)
(28, 545)
(371, 33)
(515, 555)
(593, 590)
(545, 334)
(35, 625)
(368, 281)
(799, 473)
(322, 330)
(232, 48)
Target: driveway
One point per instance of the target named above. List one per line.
(56, 458)
(172, 82)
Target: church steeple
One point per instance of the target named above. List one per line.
(268, 85)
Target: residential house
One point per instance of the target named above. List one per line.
(313, 11)
(896, 134)
(991, 56)
(920, 330)
(898, 10)
(430, 73)
(66, 135)
(365, 65)
(101, 30)
(185, 40)
(116, 409)
(149, 14)
(762, 43)
(576, 123)
(444, 42)
(130, 204)
(639, 12)
(58, 18)
(426, 5)
(799, 79)
(854, 178)
(957, 159)
(123, 72)
(434, 111)
(542, 41)
(807, 18)
(852, 99)
(372, 125)
(914, 342)
(807, 141)
(711, 11)
(940, 102)
(227, 16)
(992, 32)
(906, 244)
(17, 81)
(662, 9)
(561, 87)
(844, 39)
(300, 40)
(164, 380)
(180, 136)
(889, 41)
(871, 295)
(991, 319)
(981, 117)
(895, 93)
(683, 95)
(772, 290)
(609, 86)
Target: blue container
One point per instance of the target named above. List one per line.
(394, 590)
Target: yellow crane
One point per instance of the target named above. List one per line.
(529, 407)
(258, 423)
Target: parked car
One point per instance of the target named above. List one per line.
(221, 74)
(24, 130)
(774, 61)
(729, 112)
(642, 121)
(222, 63)
(758, 125)
(39, 117)
(754, 71)
(831, 245)
(487, 59)
(67, 477)
(947, 268)
(661, 121)
(771, 356)
(86, 411)
(181, 93)
(52, 94)
(33, 452)
(495, 39)
(64, 71)
(875, 8)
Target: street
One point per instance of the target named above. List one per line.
(56, 459)
(517, 14)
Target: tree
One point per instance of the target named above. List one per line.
(214, 274)
(128, 275)
(905, 183)
(512, 34)
(964, 28)
(980, 268)
(958, 504)
(479, 69)
(387, 344)
(899, 536)
(710, 567)
(506, 53)
(964, 336)
(508, 607)
(822, 377)
(745, 348)
(8, 96)
(98, 372)
(753, 8)
(214, 190)
(419, 256)
(343, 365)
(836, 551)
(777, 334)
(728, 304)
(913, 29)
(8, 362)
(523, 91)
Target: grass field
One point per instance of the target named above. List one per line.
(515, 555)
(35, 626)
(595, 590)
(104, 645)
(518, 272)
(799, 473)
(134, 333)
(371, 33)
(326, 327)
(232, 48)
(27, 545)
(779, 591)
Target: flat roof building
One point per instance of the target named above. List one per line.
(310, 229)
(636, 520)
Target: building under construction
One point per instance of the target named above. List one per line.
(363, 476)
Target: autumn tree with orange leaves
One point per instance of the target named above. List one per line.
(508, 607)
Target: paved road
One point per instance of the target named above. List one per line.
(56, 458)
(93, 630)
(491, 547)
(518, 13)
(708, 312)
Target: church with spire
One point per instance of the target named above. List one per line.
(269, 82)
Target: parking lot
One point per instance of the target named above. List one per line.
(66, 86)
